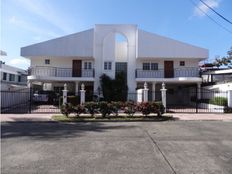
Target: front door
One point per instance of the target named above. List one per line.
(168, 69)
(76, 70)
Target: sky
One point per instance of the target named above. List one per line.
(25, 22)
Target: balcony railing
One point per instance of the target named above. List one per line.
(178, 72)
(59, 72)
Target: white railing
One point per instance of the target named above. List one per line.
(58, 72)
(178, 72)
(149, 73)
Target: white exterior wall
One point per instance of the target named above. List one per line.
(62, 62)
(121, 52)
(176, 62)
(103, 38)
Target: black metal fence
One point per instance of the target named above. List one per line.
(189, 100)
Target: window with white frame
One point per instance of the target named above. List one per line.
(12, 77)
(182, 63)
(107, 65)
(87, 65)
(4, 76)
(47, 61)
(150, 66)
(146, 66)
(154, 66)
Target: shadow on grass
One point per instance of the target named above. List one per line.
(47, 130)
(62, 118)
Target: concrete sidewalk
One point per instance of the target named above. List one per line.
(178, 116)
(202, 117)
(25, 117)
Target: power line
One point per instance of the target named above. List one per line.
(216, 12)
(211, 18)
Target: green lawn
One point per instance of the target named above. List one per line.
(63, 118)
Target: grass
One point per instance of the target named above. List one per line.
(88, 118)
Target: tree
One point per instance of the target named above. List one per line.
(224, 61)
(114, 89)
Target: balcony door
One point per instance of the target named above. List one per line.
(168, 69)
(76, 70)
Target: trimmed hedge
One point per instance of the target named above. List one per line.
(107, 108)
(221, 101)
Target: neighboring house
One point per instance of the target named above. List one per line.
(217, 79)
(12, 78)
(144, 57)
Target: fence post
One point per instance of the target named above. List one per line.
(163, 94)
(229, 97)
(145, 93)
(30, 99)
(65, 92)
(82, 94)
(197, 99)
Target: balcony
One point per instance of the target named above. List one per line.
(59, 72)
(178, 72)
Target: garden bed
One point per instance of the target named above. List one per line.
(121, 118)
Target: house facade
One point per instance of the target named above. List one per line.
(108, 49)
(12, 78)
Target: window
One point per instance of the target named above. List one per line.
(107, 65)
(150, 66)
(146, 66)
(4, 76)
(154, 66)
(182, 63)
(47, 61)
(19, 78)
(87, 65)
(12, 77)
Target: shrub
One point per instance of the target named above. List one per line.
(221, 101)
(157, 107)
(78, 109)
(92, 107)
(145, 108)
(105, 108)
(66, 109)
(130, 108)
(116, 106)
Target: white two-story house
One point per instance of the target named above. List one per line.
(84, 56)
(12, 78)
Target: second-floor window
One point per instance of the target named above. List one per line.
(150, 66)
(47, 61)
(4, 76)
(87, 65)
(182, 63)
(107, 65)
(12, 77)
(19, 78)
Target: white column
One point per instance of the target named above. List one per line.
(76, 88)
(229, 98)
(82, 94)
(29, 84)
(163, 94)
(65, 92)
(198, 91)
(153, 91)
(145, 93)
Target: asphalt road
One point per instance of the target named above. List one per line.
(183, 147)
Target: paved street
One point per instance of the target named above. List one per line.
(183, 147)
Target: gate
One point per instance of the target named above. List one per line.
(196, 100)
(26, 101)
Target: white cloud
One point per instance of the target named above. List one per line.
(27, 26)
(20, 62)
(201, 8)
(46, 11)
